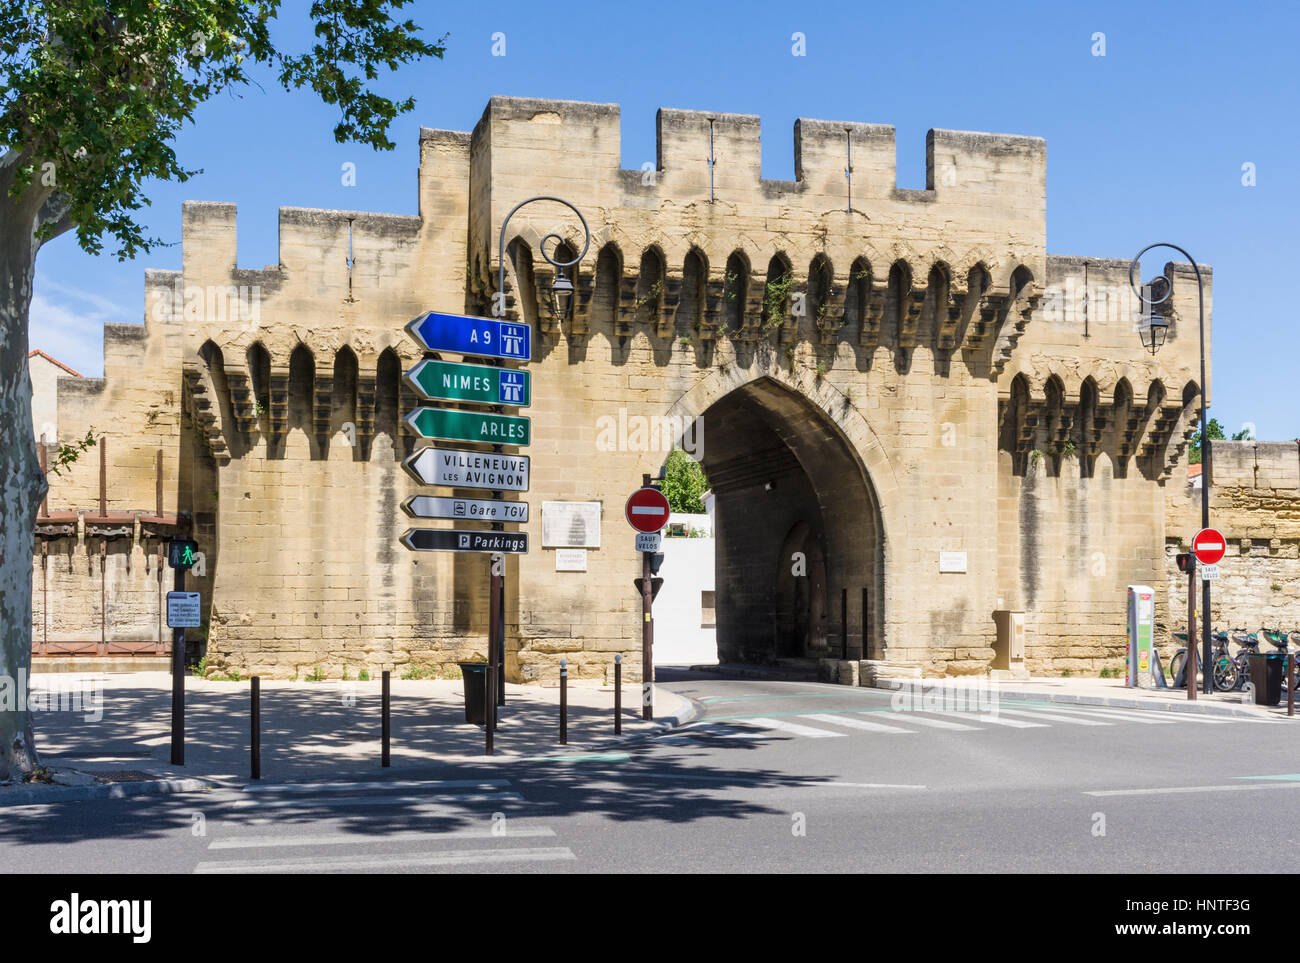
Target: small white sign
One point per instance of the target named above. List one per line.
(570, 524)
(571, 560)
(952, 562)
(649, 543)
(1209, 573)
(183, 610)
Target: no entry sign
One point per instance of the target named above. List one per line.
(1209, 546)
(647, 510)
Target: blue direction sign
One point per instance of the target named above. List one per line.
(484, 337)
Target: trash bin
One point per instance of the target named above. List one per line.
(1266, 677)
(475, 676)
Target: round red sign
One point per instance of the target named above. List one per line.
(1209, 546)
(647, 510)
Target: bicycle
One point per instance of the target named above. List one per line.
(1226, 673)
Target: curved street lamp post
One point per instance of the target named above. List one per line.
(561, 301)
(1153, 330)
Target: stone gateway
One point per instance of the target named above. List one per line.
(878, 382)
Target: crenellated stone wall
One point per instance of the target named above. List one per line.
(884, 377)
(1255, 502)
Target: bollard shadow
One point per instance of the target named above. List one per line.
(316, 736)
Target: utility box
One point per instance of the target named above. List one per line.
(1141, 637)
(1009, 649)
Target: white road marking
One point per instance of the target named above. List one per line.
(1070, 720)
(910, 717)
(718, 730)
(990, 719)
(388, 862)
(853, 722)
(780, 725)
(1187, 789)
(1168, 715)
(359, 839)
(1149, 718)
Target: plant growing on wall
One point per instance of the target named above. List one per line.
(92, 94)
(775, 294)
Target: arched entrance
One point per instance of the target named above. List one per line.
(797, 528)
(801, 610)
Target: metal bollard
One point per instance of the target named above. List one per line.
(1290, 685)
(618, 694)
(489, 710)
(564, 702)
(386, 719)
(256, 725)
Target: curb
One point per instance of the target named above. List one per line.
(113, 790)
(1111, 702)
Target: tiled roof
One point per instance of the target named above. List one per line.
(35, 351)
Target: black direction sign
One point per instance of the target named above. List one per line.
(456, 540)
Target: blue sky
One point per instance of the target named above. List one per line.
(1144, 144)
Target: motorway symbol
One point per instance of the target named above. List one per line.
(452, 425)
(483, 337)
(468, 469)
(647, 510)
(454, 540)
(476, 509)
(449, 381)
(1209, 546)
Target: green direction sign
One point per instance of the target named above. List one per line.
(450, 425)
(471, 382)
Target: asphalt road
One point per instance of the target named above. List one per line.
(776, 776)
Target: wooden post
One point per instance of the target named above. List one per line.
(45, 454)
(103, 479)
(103, 595)
(45, 595)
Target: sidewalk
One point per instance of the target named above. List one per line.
(1104, 692)
(312, 730)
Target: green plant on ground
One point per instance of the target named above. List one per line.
(363, 675)
(317, 674)
(347, 676)
(1106, 672)
(1066, 673)
(420, 670)
(820, 370)
(201, 667)
(684, 341)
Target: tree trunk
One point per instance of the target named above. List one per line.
(22, 486)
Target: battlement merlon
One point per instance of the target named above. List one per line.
(516, 137)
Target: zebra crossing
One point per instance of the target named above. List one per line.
(840, 723)
(349, 828)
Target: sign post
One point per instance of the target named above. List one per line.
(1208, 549)
(181, 554)
(647, 512)
(490, 384)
